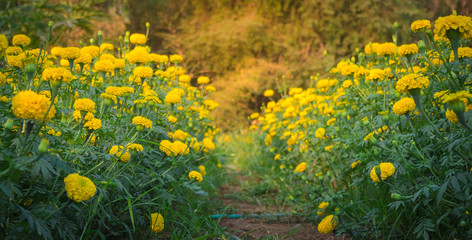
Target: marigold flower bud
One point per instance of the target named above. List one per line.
(396, 196)
(50, 23)
(43, 146)
(8, 125)
(421, 46)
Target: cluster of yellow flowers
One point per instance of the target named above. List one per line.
(390, 80)
(95, 88)
(386, 170)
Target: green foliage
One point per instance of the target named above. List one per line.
(32, 18)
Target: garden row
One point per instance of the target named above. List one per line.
(382, 147)
(102, 141)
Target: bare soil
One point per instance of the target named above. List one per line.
(269, 227)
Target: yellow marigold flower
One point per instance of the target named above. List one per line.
(354, 164)
(329, 148)
(328, 224)
(3, 43)
(320, 132)
(208, 144)
(175, 58)
(347, 83)
(163, 59)
(268, 93)
(203, 80)
(172, 97)
(104, 66)
(138, 38)
(20, 40)
(4, 99)
(210, 88)
(15, 61)
(451, 116)
(184, 78)
(404, 106)
(202, 170)
(387, 169)
(138, 55)
(156, 58)
(349, 70)
(462, 24)
(92, 50)
(31, 105)
(119, 63)
(117, 91)
(142, 122)
(167, 147)
(84, 59)
(180, 135)
(300, 168)
(120, 152)
(172, 119)
(463, 52)
(386, 49)
(77, 116)
(331, 121)
(420, 25)
(106, 47)
(57, 75)
(84, 104)
(408, 50)
(127, 90)
(64, 63)
(70, 53)
(143, 72)
(371, 48)
(412, 81)
(322, 208)
(56, 51)
(277, 157)
(196, 176)
(3, 79)
(157, 222)
(452, 97)
(93, 124)
(114, 149)
(106, 56)
(254, 115)
(14, 51)
(79, 188)
(369, 136)
(108, 98)
(135, 147)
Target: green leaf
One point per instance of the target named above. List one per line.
(441, 192)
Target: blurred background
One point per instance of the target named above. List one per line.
(244, 46)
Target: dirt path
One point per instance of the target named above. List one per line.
(262, 221)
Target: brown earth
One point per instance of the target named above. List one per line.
(271, 227)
